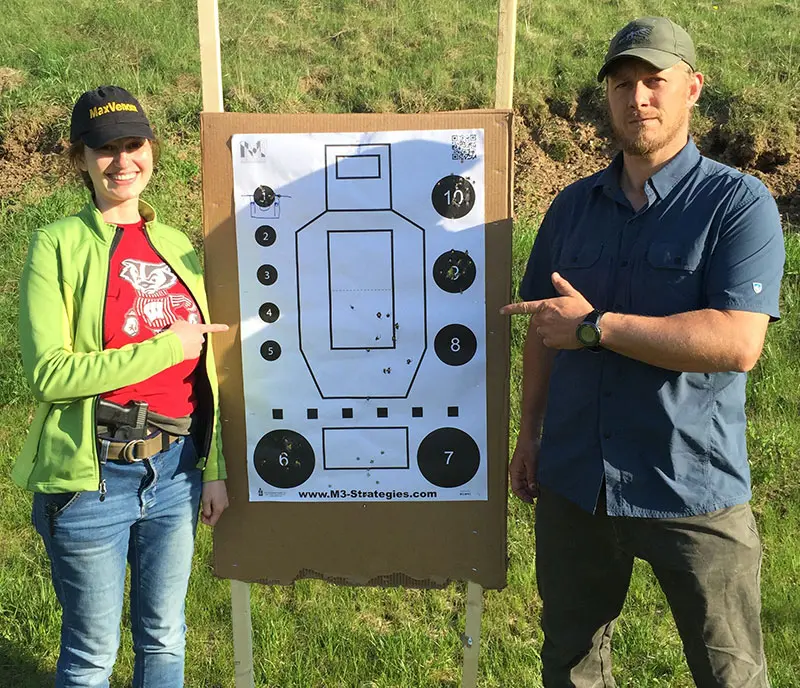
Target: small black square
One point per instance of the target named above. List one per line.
(416, 411)
(452, 411)
(277, 414)
(383, 412)
(312, 414)
(347, 413)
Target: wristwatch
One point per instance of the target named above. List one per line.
(589, 332)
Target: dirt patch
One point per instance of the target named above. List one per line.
(31, 151)
(10, 79)
(556, 144)
(552, 152)
(565, 141)
(784, 183)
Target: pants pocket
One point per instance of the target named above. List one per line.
(53, 506)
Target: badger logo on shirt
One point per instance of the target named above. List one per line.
(154, 305)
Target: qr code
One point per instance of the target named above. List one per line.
(464, 146)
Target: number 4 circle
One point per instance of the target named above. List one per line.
(269, 312)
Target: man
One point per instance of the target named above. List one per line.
(650, 287)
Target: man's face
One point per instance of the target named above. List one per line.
(650, 108)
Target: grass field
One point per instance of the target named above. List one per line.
(373, 56)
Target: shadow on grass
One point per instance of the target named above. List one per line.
(19, 669)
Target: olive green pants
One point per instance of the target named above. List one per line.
(708, 566)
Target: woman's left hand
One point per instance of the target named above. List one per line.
(214, 501)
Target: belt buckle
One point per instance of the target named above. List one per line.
(128, 449)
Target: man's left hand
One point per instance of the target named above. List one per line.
(214, 501)
(555, 319)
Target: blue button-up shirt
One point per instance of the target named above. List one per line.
(667, 443)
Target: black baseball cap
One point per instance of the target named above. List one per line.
(105, 114)
(656, 40)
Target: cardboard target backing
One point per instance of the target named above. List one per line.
(360, 261)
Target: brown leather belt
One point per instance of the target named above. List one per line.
(138, 450)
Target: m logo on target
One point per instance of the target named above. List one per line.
(253, 151)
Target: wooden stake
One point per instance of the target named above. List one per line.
(503, 99)
(506, 45)
(242, 634)
(211, 80)
(210, 61)
(472, 635)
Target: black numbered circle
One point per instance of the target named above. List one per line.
(448, 457)
(455, 345)
(284, 458)
(269, 312)
(266, 235)
(270, 350)
(267, 274)
(453, 196)
(264, 196)
(454, 271)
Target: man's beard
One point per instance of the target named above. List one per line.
(642, 144)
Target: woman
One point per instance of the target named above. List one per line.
(125, 442)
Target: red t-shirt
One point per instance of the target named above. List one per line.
(145, 297)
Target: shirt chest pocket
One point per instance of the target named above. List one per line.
(671, 279)
(582, 267)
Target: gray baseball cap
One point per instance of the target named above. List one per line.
(656, 40)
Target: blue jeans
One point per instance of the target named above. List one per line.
(148, 518)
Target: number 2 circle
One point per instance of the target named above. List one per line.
(266, 235)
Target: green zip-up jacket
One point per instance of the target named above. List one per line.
(62, 301)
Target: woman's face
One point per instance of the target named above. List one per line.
(120, 170)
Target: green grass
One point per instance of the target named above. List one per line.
(384, 55)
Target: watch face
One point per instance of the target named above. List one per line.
(588, 334)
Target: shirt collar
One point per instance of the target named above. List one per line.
(94, 218)
(608, 179)
(662, 182)
(676, 169)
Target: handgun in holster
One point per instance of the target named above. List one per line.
(127, 422)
